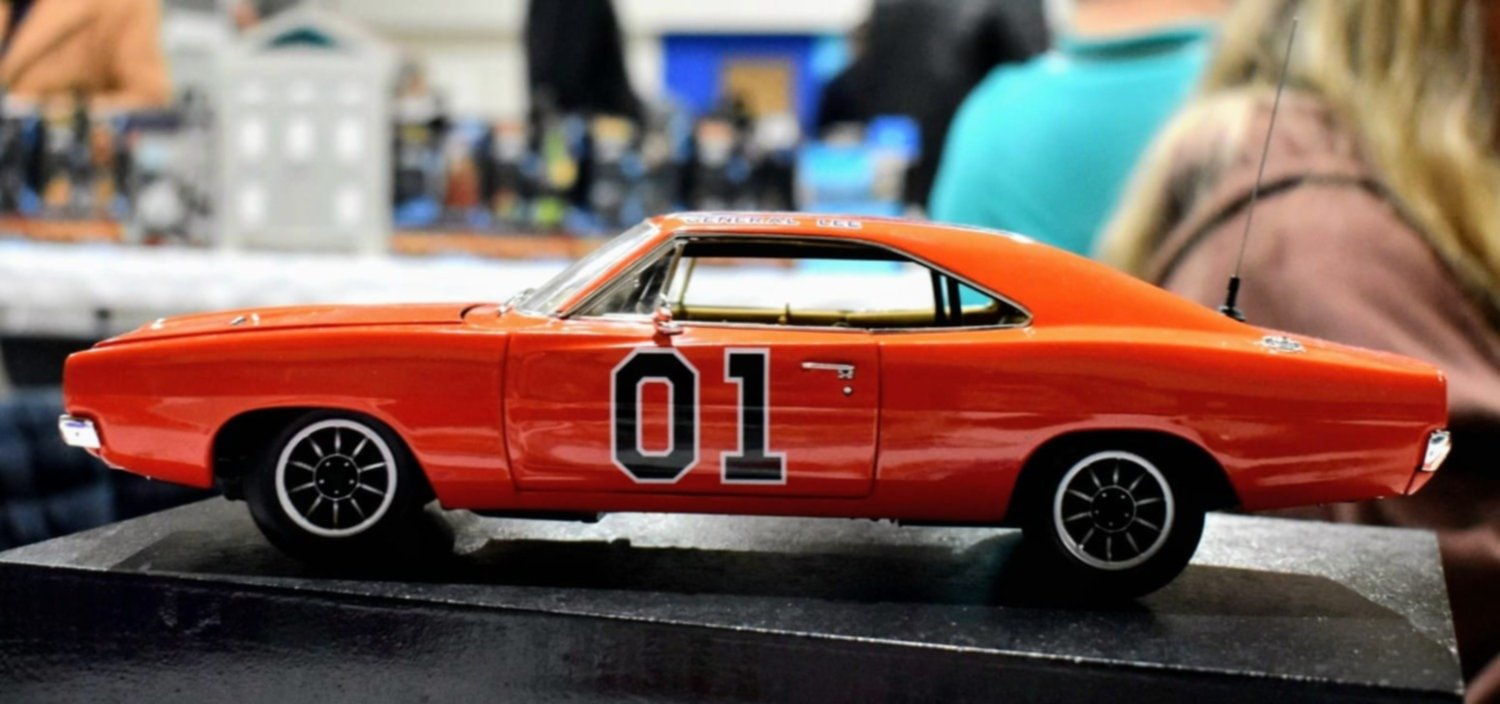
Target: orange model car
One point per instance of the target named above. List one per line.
(772, 364)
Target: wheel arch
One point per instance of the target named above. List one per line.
(237, 442)
(1211, 481)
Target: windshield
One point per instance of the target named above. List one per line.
(550, 297)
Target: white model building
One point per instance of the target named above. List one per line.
(305, 136)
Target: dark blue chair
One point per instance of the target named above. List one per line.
(48, 489)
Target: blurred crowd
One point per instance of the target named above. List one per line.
(106, 140)
(1129, 130)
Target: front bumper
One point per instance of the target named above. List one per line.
(78, 432)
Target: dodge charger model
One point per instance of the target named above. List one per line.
(773, 364)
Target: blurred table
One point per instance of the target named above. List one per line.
(90, 291)
(191, 604)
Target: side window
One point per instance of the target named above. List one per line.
(961, 305)
(817, 283)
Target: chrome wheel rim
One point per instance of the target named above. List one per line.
(336, 478)
(1113, 510)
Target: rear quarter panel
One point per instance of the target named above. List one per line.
(158, 404)
(963, 411)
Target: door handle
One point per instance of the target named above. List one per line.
(844, 371)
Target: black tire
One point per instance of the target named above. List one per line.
(336, 487)
(1110, 521)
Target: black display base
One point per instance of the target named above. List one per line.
(191, 604)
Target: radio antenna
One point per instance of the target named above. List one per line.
(1231, 297)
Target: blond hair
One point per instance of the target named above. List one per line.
(1413, 81)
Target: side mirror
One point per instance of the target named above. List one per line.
(662, 321)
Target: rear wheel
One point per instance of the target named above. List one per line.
(335, 486)
(1112, 521)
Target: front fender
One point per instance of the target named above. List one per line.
(158, 405)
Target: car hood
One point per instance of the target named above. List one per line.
(293, 317)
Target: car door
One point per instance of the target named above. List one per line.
(608, 405)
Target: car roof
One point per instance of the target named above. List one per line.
(1055, 285)
(893, 231)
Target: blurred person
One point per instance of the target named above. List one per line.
(108, 51)
(1044, 148)
(1378, 225)
(920, 58)
(248, 14)
(575, 59)
(839, 103)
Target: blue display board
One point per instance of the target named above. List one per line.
(694, 64)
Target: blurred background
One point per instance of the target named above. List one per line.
(160, 157)
(229, 153)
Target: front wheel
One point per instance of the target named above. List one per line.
(335, 486)
(1113, 522)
